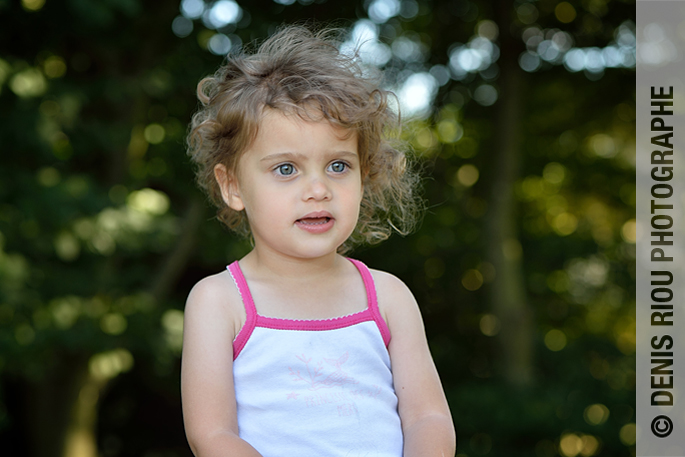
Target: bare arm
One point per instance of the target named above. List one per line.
(208, 395)
(426, 420)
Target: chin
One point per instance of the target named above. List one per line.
(314, 252)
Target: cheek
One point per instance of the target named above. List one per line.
(356, 200)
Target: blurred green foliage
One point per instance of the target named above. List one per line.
(103, 233)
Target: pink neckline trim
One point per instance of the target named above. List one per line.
(371, 313)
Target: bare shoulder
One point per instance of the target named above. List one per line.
(212, 320)
(395, 301)
(390, 285)
(216, 298)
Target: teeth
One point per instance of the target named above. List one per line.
(310, 222)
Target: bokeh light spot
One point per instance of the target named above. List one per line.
(408, 49)
(441, 73)
(204, 36)
(113, 323)
(107, 365)
(54, 67)
(489, 325)
(28, 83)
(570, 445)
(32, 5)
(485, 95)
(629, 231)
(382, 10)
(565, 12)
(364, 40)
(574, 60)
(76, 186)
(564, 223)
(627, 434)
(449, 131)
(472, 280)
(104, 244)
(590, 445)
(24, 334)
(67, 246)
(425, 138)
(603, 145)
(487, 29)
(224, 12)
(527, 13)
(182, 26)
(192, 9)
(154, 133)
(417, 93)
(467, 175)
(172, 321)
(532, 187)
(65, 311)
(409, 9)
(148, 201)
(555, 340)
(219, 44)
(529, 61)
(554, 173)
(596, 414)
(48, 177)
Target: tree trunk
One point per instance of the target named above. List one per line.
(508, 294)
(81, 434)
(62, 411)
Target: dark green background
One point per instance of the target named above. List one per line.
(83, 272)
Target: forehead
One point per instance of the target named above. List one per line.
(290, 131)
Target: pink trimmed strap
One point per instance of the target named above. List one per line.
(253, 319)
(250, 310)
(373, 300)
(315, 324)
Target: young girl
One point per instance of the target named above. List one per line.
(296, 350)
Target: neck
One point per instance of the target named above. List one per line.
(291, 268)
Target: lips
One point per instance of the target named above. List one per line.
(316, 222)
(316, 216)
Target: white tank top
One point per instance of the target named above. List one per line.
(316, 388)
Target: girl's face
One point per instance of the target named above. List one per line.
(300, 185)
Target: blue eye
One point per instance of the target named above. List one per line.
(285, 169)
(338, 167)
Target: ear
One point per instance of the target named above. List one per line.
(229, 187)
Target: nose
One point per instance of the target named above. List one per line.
(317, 189)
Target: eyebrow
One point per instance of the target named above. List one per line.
(298, 155)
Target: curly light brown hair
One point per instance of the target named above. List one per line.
(294, 71)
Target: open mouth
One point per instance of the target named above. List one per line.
(314, 220)
(316, 223)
